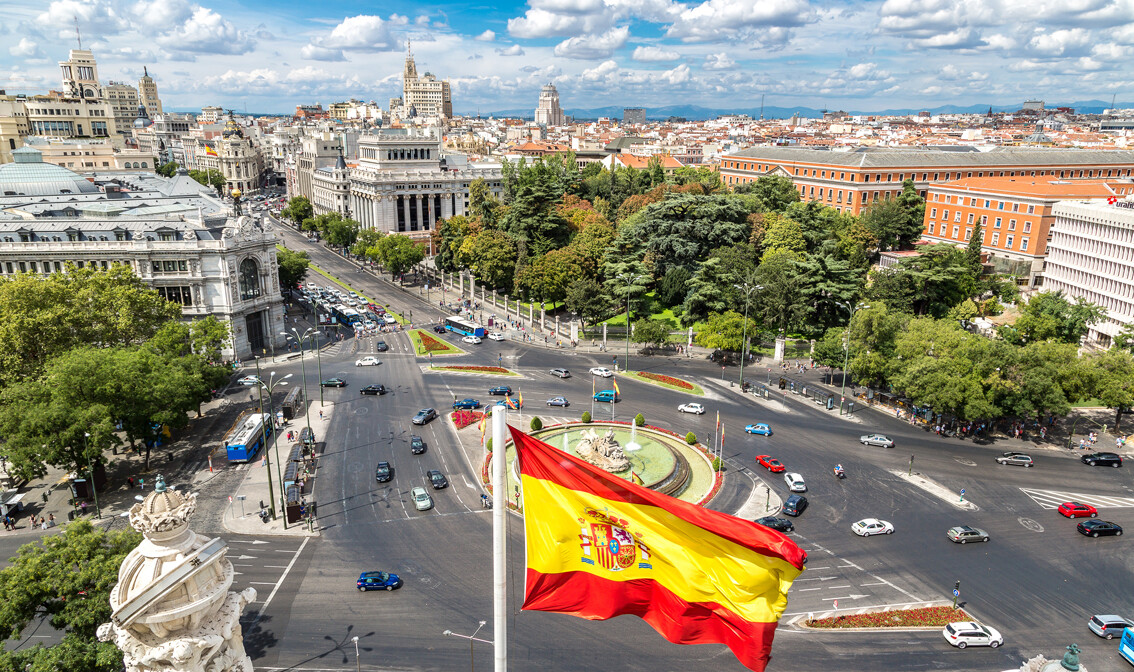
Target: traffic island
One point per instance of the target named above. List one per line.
(473, 370)
(425, 344)
(669, 382)
(921, 618)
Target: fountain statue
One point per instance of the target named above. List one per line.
(633, 444)
(172, 610)
(602, 451)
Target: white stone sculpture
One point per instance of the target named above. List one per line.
(602, 451)
(172, 608)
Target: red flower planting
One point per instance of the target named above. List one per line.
(464, 418)
(668, 380)
(925, 617)
(432, 344)
(481, 369)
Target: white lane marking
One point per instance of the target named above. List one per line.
(1051, 499)
(804, 590)
(280, 582)
(878, 583)
(835, 587)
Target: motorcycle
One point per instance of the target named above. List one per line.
(840, 472)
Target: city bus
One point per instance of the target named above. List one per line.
(464, 327)
(1126, 646)
(346, 315)
(244, 441)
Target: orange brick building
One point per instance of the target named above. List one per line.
(1015, 216)
(850, 180)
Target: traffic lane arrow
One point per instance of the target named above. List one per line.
(245, 557)
(816, 578)
(845, 597)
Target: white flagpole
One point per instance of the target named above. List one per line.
(499, 546)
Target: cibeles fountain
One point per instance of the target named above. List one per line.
(172, 608)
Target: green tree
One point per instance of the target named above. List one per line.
(776, 192)
(298, 210)
(885, 218)
(292, 266)
(782, 235)
(168, 169)
(724, 331)
(682, 230)
(651, 332)
(482, 204)
(546, 278)
(931, 283)
(398, 253)
(778, 303)
(588, 299)
(973, 250)
(1050, 316)
(365, 245)
(492, 258)
(210, 178)
(1112, 381)
(68, 577)
(826, 282)
(674, 286)
(709, 291)
(449, 238)
(533, 215)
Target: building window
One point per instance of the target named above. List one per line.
(995, 238)
(933, 213)
(945, 215)
(181, 295)
(249, 279)
(1011, 225)
(997, 223)
(957, 217)
(956, 232)
(1008, 242)
(1024, 245)
(1027, 227)
(1031, 209)
(970, 218)
(968, 234)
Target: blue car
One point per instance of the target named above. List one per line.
(378, 581)
(759, 428)
(466, 404)
(608, 396)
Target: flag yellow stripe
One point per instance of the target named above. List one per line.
(696, 565)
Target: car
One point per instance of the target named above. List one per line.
(1078, 510)
(758, 428)
(778, 524)
(1018, 459)
(383, 472)
(423, 416)
(374, 389)
(795, 482)
(421, 499)
(560, 373)
(438, 329)
(369, 360)
(1099, 528)
(963, 534)
(495, 336)
(558, 401)
(601, 371)
(501, 390)
(1102, 459)
(249, 380)
(971, 633)
(794, 505)
(416, 445)
(436, 479)
(868, 527)
(333, 382)
(876, 440)
(378, 581)
(770, 463)
(466, 404)
(607, 396)
(475, 340)
(381, 346)
(691, 408)
(509, 402)
(1109, 626)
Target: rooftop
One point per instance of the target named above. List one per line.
(953, 157)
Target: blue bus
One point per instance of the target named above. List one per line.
(464, 327)
(246, 438)
(1126, 646)
(345, 314)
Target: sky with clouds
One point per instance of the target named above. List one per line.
(269, 55)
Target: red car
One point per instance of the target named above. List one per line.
(770, 463)
(1077, 510)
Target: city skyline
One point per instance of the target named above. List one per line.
(865, 55)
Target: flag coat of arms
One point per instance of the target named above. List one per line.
(599, 546)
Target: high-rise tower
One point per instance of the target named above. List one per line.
(147, 93)
(548, 112)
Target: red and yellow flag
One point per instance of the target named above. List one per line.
(616, 391)
(599, 546)
(210, 151)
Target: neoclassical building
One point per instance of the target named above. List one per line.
(236, 157)
(173, 233)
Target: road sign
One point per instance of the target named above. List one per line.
(962, 491)
(956, 593)
(230, 499)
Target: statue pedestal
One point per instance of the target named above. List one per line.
(1042, 664)
(781, 346)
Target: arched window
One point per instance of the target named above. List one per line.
(249, 279)
(144, 165)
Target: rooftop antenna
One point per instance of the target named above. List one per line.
(77, 35)
(1112, 99)
(761, 107)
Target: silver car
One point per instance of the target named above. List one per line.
(876, 440)
(1018, 459)
(795, 482)
(421, 499)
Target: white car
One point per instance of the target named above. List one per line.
(601, 371)
(471, 339)
(421, 499)
(868, 527)
(971, 633)
(368, 361)
(249, 380)
(795, 482)
(495, 336)
(691, 408)
(389, 319)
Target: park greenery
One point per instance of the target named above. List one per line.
(210, 178)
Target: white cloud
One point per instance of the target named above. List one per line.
(161, 14)
(486, 36)
(652, 54)
(207, 32)
(728, 19)
(593, 47)
(25, 49)
(94, 17)
(315, 52)
(599, 72)
(961, 38)
(514, 50)
(1060, 42)
(363, 32)
(719, 61)
(866, 71)
(536, 23)
(678, 75)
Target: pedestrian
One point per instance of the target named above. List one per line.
(320, 414)
(83, 506)
(130, 482)
(51, 520)
(43, 524)
(1082, 444)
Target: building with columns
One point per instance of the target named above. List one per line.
(403, 183)
(235, 156)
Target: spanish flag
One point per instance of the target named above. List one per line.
(616, 392)
(599, 546)
(210, 151)
(521, 405)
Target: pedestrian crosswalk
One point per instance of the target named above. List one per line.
(1051, 499)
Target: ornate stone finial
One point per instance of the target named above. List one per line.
(1071, 659)
(160, 485)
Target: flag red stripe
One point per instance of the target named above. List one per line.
(540, 460)
(592, 597)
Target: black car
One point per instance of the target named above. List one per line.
(423, 416)
(381, 346)
(1098, 528)
(500, 390)
(437, 479)
(333, 382)
(778, 524)
(466, 404)
(438, 329)
(416, 445)
(383, 472)
(374, 389)
(794, 505)
(1102, 459)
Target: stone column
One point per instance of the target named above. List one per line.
(575, 331)
(472, 287)
(781, 343)
(531, 312)
(557, 326)
(420, 212)
(494, 304)
(405, 213)
(461, 275)
(542, 315)
(604, 334)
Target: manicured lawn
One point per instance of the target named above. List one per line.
(925, 617)
(670, 382)
(425, 343)
(486, 370)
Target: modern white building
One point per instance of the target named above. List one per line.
(548, 111)
(1091, 256)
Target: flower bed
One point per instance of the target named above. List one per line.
(431, 344)
(665, 380)
(924, 617)
(463, 418)
(424, 344)
(498, 370)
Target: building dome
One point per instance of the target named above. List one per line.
(28, 175)
(231, 130)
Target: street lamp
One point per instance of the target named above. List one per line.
(357, 665)
(846, 347)
(748, 288)
(270, 386)
(303, 365)
(630, 280)
(90, 469)
(472, 638)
